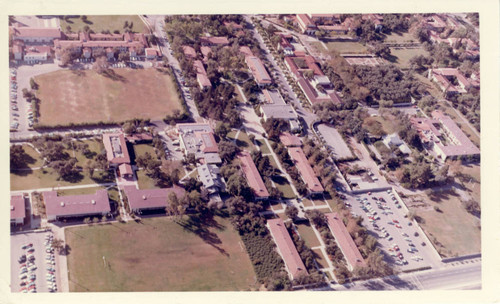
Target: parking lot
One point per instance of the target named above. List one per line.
(399, 238)
(35, 276)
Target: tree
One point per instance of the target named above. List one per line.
(291, 211)
(100, 65)
(125, 25)
(84, 18)
(316, 217)
(90, 166)
(221, 129)
(95, 220)
(227, 150)
(18, 157)
(33, 84)
(382, 50)
(65, 168)
(57, 244)
(86, 29)
(87, 220)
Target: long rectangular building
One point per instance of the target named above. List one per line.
(258, 70)
(286, 248)
(306, 171)
(345, 241)
(253, 176)
(150, 199)
(76, 205)
(116, 148)
(17, 210)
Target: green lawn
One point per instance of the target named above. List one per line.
(232, 134)
(79, 191)
(47, 177)
(244, 142)
(381, 147)
(95, 146)
(32, 159)
(141, 149)
(324, 210)
(104, 22)
(282, 184)
(454, 228)
(399, 38)
(272, 162)
(343, 47)
(320, 258)
(158, 255)
(307, 202)
(307, 234)
(263, 146)
(404, 55)
(144, 181)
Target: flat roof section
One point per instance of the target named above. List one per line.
(116, 148)
(71, 205)
(17, 207)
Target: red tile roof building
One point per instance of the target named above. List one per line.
(76, 205)
(245, 50)
(116, 148)
(286, 248)
(205, 50)
(35, 35)
(253, 176)
(189, 52)
(432, 131)
(258, 70)
(201, 75)
(126, 170)
(150, 199)
(444, 76)
(198, 138)
(212, 41)
(289, 140)
(305, 170)
(345, 241)
(306, 24)
(17, 209)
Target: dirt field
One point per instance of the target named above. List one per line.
(103, 22)
(85, 96)
(184, 256)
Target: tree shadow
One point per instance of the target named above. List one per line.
(391, 58)
(373, 285)
(200, 225)
(73, 178)
(280, 180)
(111, 74)
(66, 250)
(23, 172)
(241, 143)
(105, 177)
(398, 283)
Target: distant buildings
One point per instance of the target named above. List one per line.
(31, 35)
(450, 81)
(284, 243)
(198, 138)
(150, 199)
(201, 75)
(17, 210)
(58, 207)
(441, 135)
(306, 171)
(253, 176)
(345, 241)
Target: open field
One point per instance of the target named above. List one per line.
(159, 255)
(403, 55)
(144, 181)
(33, 159)
(379, 125)
(342, 47)
(142, 149)
(47, 177)
(104, 22)
(88, 97)
(95, 147)
(306, 233)
(454, 228)
(399, 38)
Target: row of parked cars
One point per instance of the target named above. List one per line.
(27, 269)
(50, 261)
(13, 100)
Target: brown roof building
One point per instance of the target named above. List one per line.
(17, 209)
(253, 176)
(286, 248)
(445, 77)
(35, 35)
(289, 140)
(116, 148)
(212, 41)
(189, 52)
(258, 70)
(76, 205)
(305, 170)
(345, 241)
(150, 199)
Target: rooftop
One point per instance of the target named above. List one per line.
(279, 111)
(286, 248)
(209, 175)
(33, 32)
(81, 205)
(214, 40)
(273, 97)
(17, 207)
(344, 240)
(258, 70)
(189, 51)
(305, 169)
(252, 175)
(150, 198)
(289, 140)
(116, 148)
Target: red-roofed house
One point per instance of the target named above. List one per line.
(245, 50)
(445, 77)
(345, 241)
(258, 70)
(325, 18)
(116, 149)
(205, 50)
(213, 41)
(126, 171)
(35, 35)
(289, 140)
(17, 210)
(253, 176)
(305, 170)
(76, 205)
(201, 75)
(150, 199)
(286, 248)
(189, 52)
(151, 53)
(306, 24)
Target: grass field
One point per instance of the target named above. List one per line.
(454, 227)
(33, 158)
(104, 22)
(307, 202)
(282, 184)
(244, 142)
(399, 38)
(342, 47)
(263, 146)
(403, 55)
(142, 149)
(272, 162)
(79, 191)
(158, 255)
(144, 181)
(307, 234)
(87, 97)
(95, 146)
(320, 258)
(47, 178)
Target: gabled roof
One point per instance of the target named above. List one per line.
(150, 198)
(17, 207)
(305, 169)
(252, 175)
(125, 169)
(189, 51)
(214, 40)
(258, 70)
(289, 140)
(116, 148)
(33, 32)
(286, 248)
(76, 204)
(345, 241)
